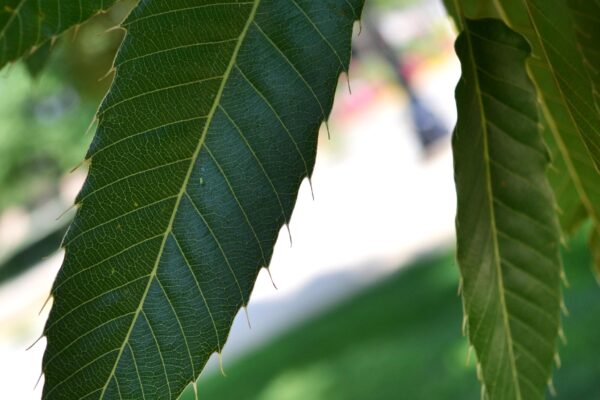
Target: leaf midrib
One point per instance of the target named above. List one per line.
(554, 75)
(182, 192)
(490, 196)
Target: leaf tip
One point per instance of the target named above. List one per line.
(38, 380)
(107, 74)
(469, 354)
(564, 309)
(79, 164)
(551, 388)
(287, 225)
(564, 279)
(326, 122)
(36, 341)
(479, 372)
(62, 214)
(92, 122)
(312, 192)
(220, 355)
(115, 28)
(195, 387)
(45, 303)
(561, 335)
(347, 73)
(271, 277)
(245, 307)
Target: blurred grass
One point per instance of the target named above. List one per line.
(43, 120)
(41, 134)
(401, 339)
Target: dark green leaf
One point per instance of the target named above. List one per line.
(508, 236)
(558, 52)
(573, 175)
(570, 209)
(27, 24)
(586, 14)
(203, 140)
(570, 155)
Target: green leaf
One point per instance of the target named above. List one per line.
(558, 53)
(571, 212)
(586, 14)
(573, 173)
(203, 140)
(569, 152)
(27, 24)
(474, 9)
(507, 233)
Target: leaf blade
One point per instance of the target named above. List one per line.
(192, 198)
(587, 28)
(169, 228)
(26, 25)
(553, 28)
(507, 248)
(572, 157)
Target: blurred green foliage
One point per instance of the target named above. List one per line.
(46, 105)
(393, 4)
(41, 134)
(402, 339)
(398, 339)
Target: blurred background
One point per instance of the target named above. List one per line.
(366, 304)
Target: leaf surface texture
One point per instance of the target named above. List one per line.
(586, 15)
(27, 24)
(203, 140)
(507, 233)
(550, 23)
(558, 66)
